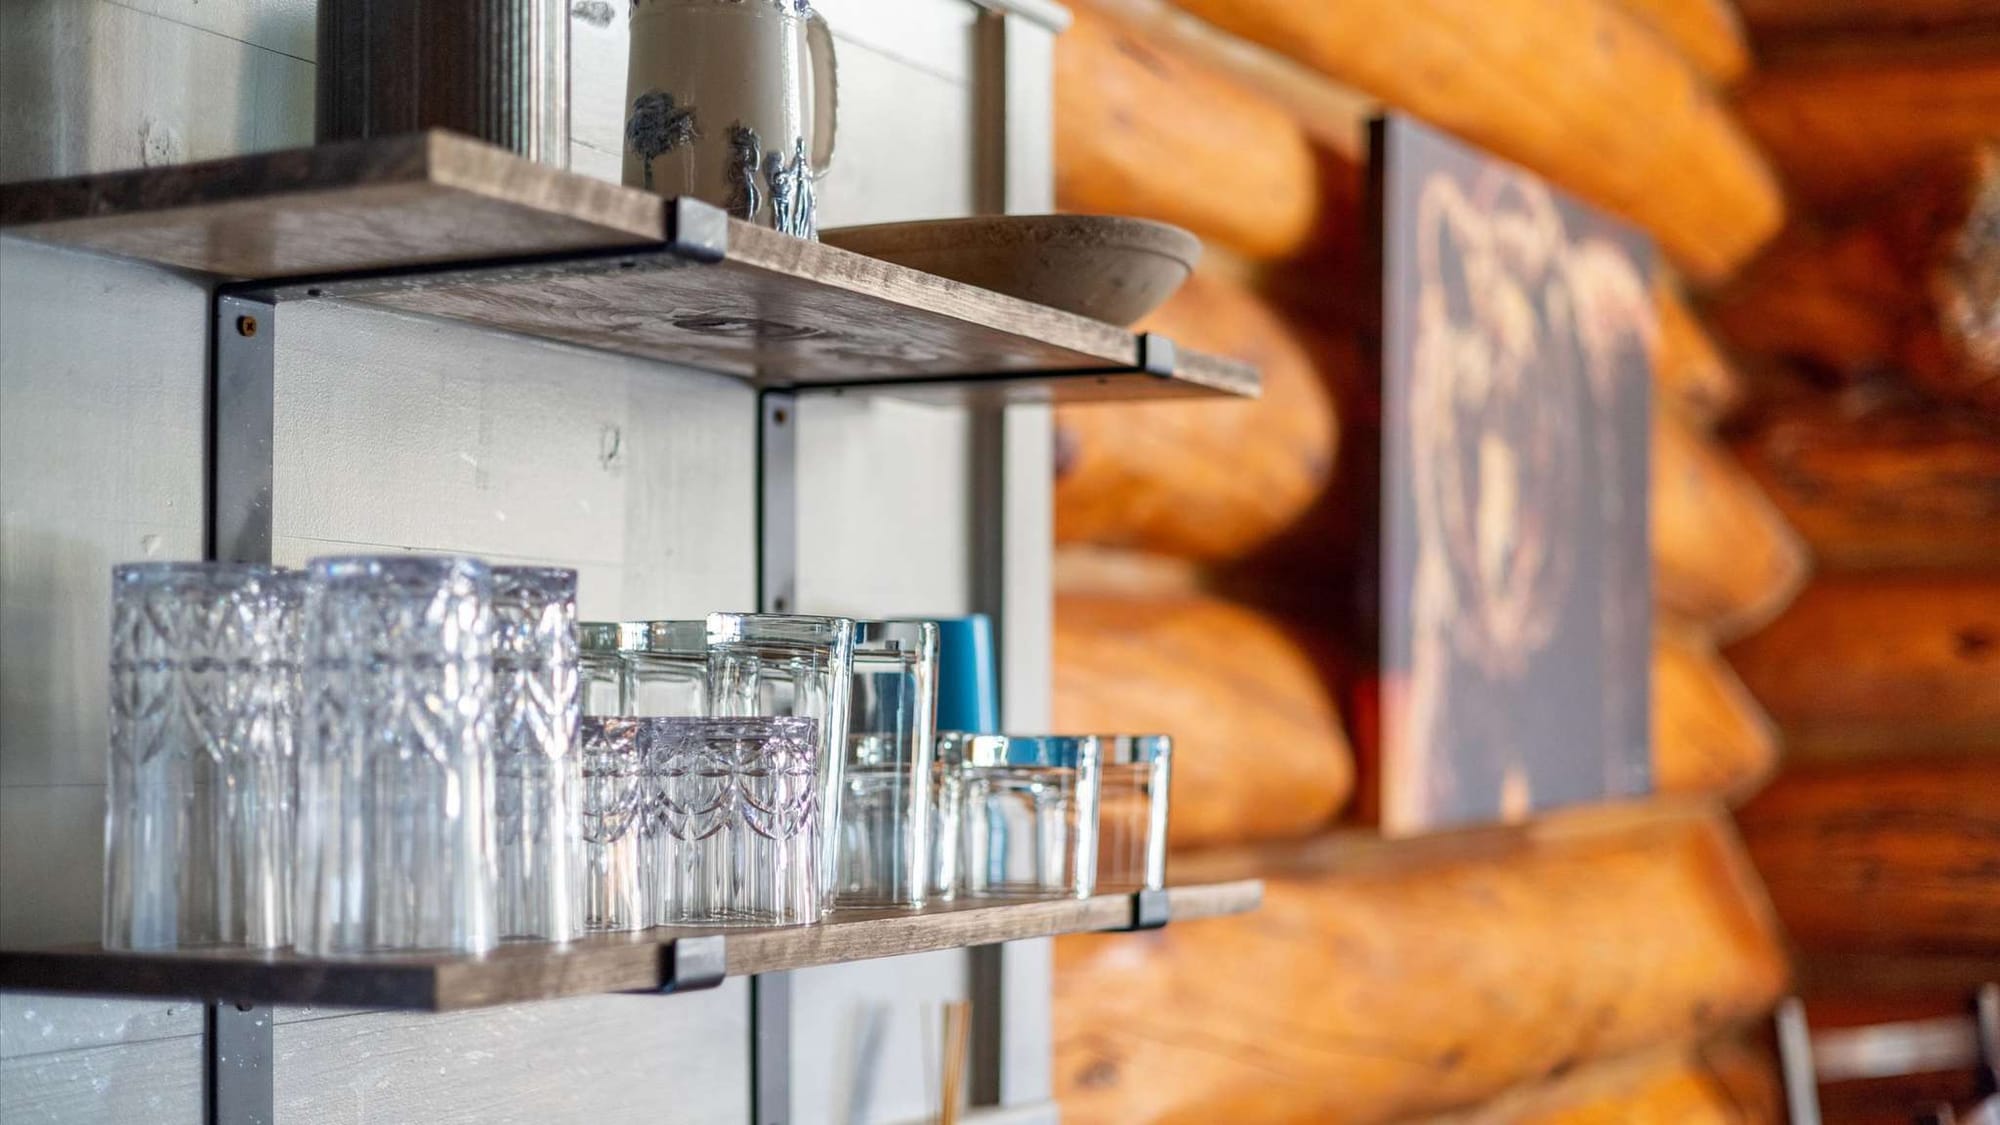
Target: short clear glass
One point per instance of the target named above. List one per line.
(204, 721)
(666, 669)
(1134, 771)
(539, 777)
(396, 764)
(1030, 816)
(772, 665)
(885, 814)
(738, 839)
(618, 800)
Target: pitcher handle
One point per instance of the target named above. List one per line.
(826, 95)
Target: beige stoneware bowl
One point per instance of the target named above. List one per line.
(1104, 267)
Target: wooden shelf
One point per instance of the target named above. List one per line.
(663, 959)
(440, 224)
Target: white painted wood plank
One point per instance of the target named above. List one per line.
(933, 35)
(607, 1060)
(157, 1082)
(898, 1002)
(404, 433)
(101, 386)
(905, 150)
(883, 525)
(42, 1025)
(91, 86)
(288, 26)
(51, 881)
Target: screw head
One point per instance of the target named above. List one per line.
(246, 326)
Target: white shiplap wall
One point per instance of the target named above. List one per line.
(399, 433)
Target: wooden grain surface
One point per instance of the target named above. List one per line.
(1143, 130)
(1866, 663)
(1709, 734)
(599, 963)
(1259, 750)
(1910, 284)
(1576, 90)
(1722, 554)
(1724, 1083)
(1202, 480)
(1882, 482)
(1385, 980)
(1844, 130)
(425, 197)
(1886, 856)
(1708, 33)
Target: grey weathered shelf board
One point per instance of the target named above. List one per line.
(440, 224)
(639, 962)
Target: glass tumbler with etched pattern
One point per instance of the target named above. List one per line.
(778, 665)
(617, 802)
(204, 721)
(885, 813)
(738, 839)
(396, 769)
(539, 778)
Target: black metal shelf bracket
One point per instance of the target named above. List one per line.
(693, 964)
(1151, 910)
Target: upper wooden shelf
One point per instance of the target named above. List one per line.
(440, 224)
(661, 959)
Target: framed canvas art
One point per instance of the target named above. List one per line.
(1514, 597)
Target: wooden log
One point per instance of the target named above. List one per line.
(1722, 555)
(1709, 734)
(1706, 32)
(1576, 90)
(1141, 130)
(1897, 661)
(1782, 20)
(1202, 480)
(1912, 285)
(1688, 367)
(1895, 854)
(1729, 1083)
(1259, 752)
(1382, 980)
(1874, 483)
(1843, 130)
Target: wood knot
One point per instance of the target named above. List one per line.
(1975, 643)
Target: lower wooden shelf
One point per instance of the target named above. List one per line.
(657, 960)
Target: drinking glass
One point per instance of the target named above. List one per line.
(1132, 781)
(947, 813)
(772, 665)
(617, 800)
(739, 836)
(396, 764)
(666, 669)
(601, 649)
(536, 691)
(886, 810)
(1030, 815)
(204, 721)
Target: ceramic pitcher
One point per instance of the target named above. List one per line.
(732, 101)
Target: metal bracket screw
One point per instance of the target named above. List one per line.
(246, 326)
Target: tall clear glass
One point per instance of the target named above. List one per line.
(618, 797)
(396, 770)
(537, 697)
(885, 812)
(947, 813)
(601, 649)
(1134, 771)
(740, 832)
(204, 721)
(1030, 816)
(772, 665)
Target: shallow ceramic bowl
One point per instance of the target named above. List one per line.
(1101, 266)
